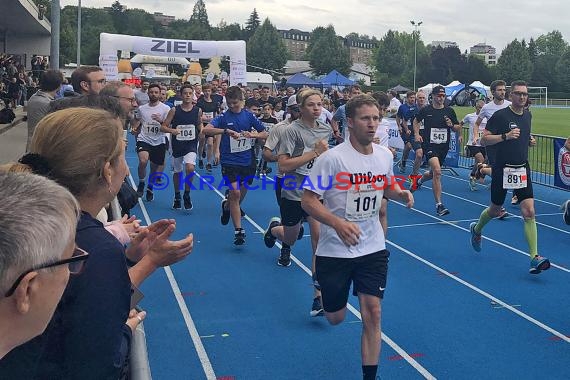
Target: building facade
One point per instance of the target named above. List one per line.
(487, 52)
(163, 19)
(296, 42)
(360, 50)
(444, 44)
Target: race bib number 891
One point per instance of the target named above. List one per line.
(514, 178)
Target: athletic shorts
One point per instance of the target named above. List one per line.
(156, 153)
(291, 212)
(472, 150)
(406, 138)
(367, 274)
(278, 187)
(233, 173)
(416, 145)
(498, 194)
(178, 163)
(430, 152)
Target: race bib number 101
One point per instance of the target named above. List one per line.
(362, 204)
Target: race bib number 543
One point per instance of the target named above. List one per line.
(438, 136)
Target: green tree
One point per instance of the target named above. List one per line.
(514, 63)
(266, 48)
(251, 24)
(200, 28)
(119, 17)
(563, 71)
(549, 49)
(390, 58)
(327, 52)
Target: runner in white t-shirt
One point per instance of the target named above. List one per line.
(352, 247)
(473, 147)
(499, 90)
(151, 142)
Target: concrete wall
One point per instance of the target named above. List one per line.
(27, 44)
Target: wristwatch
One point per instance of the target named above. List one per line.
(503, 136)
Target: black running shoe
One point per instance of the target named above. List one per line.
(140, 189)
(317, 308)
(268, 237)
(284, 259)
(204, 154)
(239, 237)
(176, 204)
(149, 195)
(225, 217)
(187, 202)
(301, 232)
(441, 210)
(200, 164)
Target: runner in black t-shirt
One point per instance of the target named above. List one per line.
(210, 109)
(508, 134)
(439, 121)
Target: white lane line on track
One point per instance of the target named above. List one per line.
(200, 350)
(484, 237)
(510, 213)
(483, 293)
(423, 371)
(486, 187)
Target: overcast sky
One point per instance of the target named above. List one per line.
(466, 22)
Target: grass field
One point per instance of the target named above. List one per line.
(545, 121)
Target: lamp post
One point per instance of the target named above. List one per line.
(79, 33)
(416, 26)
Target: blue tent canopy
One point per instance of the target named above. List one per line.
(334, 78)
(300, 79)
(453, 88)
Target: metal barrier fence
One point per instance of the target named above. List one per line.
(540, 157)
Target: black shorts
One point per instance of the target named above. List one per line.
(472, 150)
(416, 145)
(407, 138)
(156, 153)
(498, 194)
(291, 212)
(278, 187)
(233, 173)
(367, 273)
(431, 151)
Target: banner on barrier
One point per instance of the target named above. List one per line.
(394, 141)
(562, 167)
(452, 158)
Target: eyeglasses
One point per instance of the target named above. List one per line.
(519, 93)
(76, 264)
(132, 100)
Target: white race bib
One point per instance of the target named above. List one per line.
(268, 126)
(306, 169)
(362, 204)
(514, 178)
(151, 128)
(438, 135)
(208, 115)
(187, 132)
(240, 145)
(177, 103)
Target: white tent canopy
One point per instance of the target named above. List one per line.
(257, 78)
(477, 84)
(164, 47)
(428, 88)
(454, 83)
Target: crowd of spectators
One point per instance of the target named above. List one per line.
(16, 84)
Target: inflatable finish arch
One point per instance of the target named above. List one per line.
(110, 43)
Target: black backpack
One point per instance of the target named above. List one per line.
(7, 116)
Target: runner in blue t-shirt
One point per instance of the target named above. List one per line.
(405, 120)
(239, 129)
